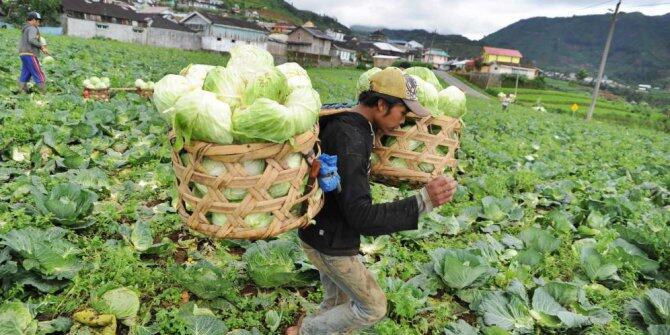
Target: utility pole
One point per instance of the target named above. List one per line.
(603, 60)
(516, 85)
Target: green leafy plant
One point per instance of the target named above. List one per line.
(651, 312)
(68, 204)
(47, 259)
(406, 299)
(278, 263)
(121, 302)
(537, 243)
(141, 238)
(206, 280)
(15, 318)
(460, 268)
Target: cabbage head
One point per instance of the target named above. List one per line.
(196, 73)
(213, 167)
(249, 61)
(295, 75)
(426, 74)
(258, 220)
(452, 102)
(48, 59)
(227, 86)
(122, 302)
(69, 204)
(363, 83)
(270, 84)
(412, 145)
(15, 318)
(292, 161)
(254, 167)
(374, 159)
(278, 263)
(398, 163)
(426, 167)
(199, 115)
(305, 105)
(265, 120)
(427, 95)
(168, 90)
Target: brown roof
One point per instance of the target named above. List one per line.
(229, 21)
(317, 33)
(345, 45)
(119, 12)
(102, 9)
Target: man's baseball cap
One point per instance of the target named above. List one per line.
(34, 16)
(392, 81)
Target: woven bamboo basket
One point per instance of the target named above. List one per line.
(439, 138)
(294, 210)
(102, 94)
(145, 93)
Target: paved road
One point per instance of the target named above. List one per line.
(458, 83)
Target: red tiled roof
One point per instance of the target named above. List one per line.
(502, 52)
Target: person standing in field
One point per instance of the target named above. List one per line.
(352, 298)
(30, 47)
(505, 102)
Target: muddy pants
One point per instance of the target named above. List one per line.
(352, 298)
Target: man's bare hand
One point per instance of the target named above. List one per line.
(441, 190)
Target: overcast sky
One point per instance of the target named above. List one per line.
(471, 18)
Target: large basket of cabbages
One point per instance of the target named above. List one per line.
(422, 148)
(243, 139)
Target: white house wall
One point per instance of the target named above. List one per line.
(223, 38)
(120, 32)
(225, 44)
(174, 39)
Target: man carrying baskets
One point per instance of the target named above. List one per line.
(352, 297)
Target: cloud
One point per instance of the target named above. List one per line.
(472, 18)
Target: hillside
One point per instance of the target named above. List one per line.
(640, 50)
(278, 10)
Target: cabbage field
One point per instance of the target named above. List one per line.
(558, 226)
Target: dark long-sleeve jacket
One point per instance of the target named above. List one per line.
(348, 214)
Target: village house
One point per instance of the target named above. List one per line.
(336, 35)
(505, 62)
(386, 49)
(310, 41)
(282, 28)
(223, 33)
(437, 57)
(344, 52)
(378, 36)
(276, 46)
(414, 45)
(90, 19)
(213, 5)
(383, 61)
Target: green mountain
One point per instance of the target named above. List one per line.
(640, 51)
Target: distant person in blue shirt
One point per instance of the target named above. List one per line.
(30, 47)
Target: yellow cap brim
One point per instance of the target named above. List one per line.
(416, 108)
